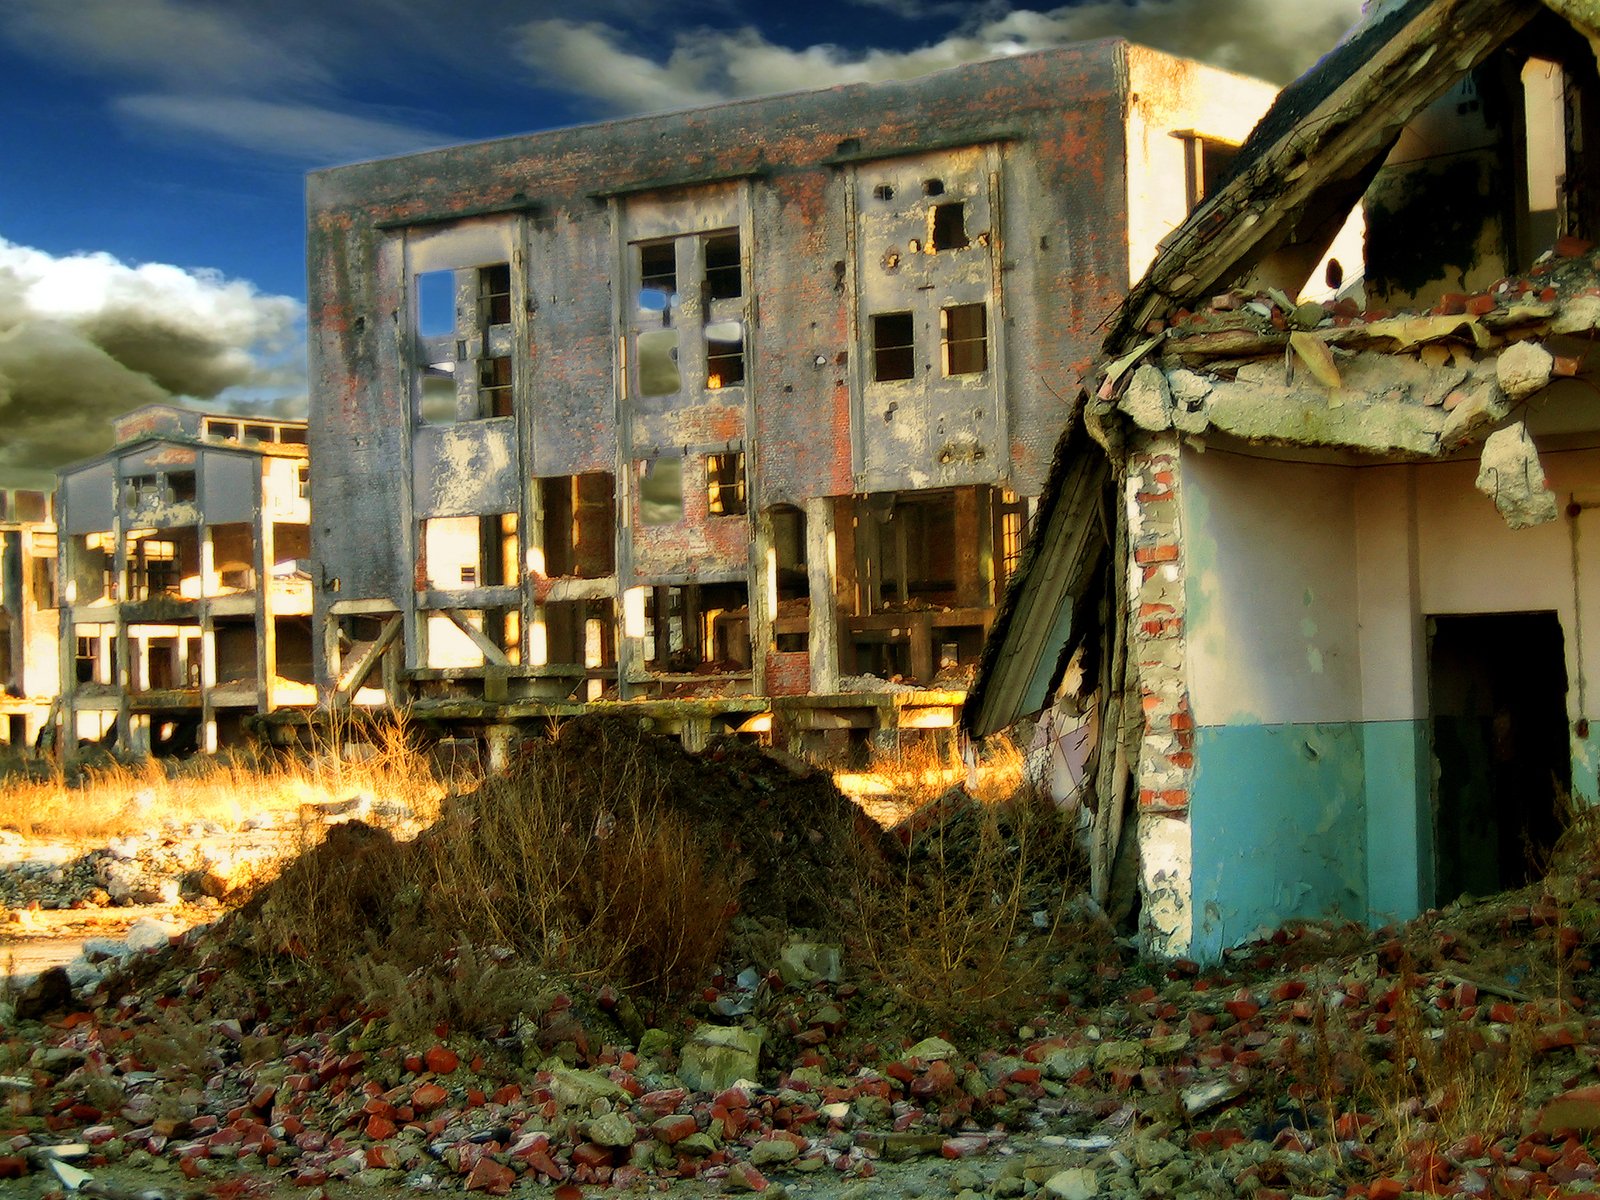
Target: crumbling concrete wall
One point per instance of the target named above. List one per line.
(1032, 145)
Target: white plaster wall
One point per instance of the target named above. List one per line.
(1308, 584)
(1168, 95)
(1271, 590)
(1393, 680)
(1470, 561)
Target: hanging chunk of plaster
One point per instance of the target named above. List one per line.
(1510, 474)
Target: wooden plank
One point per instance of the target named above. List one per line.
(356, 674)
(492, 654)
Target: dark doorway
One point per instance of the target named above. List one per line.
(1497, 686)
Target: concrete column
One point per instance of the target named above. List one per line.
(822, 574)
(266, 631)
(500, 741)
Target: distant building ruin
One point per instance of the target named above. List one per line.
(185, 580)
(735, 414)
(28, 606)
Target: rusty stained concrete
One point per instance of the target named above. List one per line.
(849, 478)
(185, 591)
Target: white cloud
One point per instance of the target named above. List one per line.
(303, 132)
(184, 44)
(85, 337)
(1261, 37)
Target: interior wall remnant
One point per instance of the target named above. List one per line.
(697, 628)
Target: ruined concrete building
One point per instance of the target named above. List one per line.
(185, 585)
(1328, 570)
(722, 411)
(27, 613)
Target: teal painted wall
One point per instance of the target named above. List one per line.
(1586, 763)
(1278, 821)
(1399, 810)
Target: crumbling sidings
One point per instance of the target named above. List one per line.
(722, 413)
(1339, 661)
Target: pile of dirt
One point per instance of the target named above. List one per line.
(779, 823)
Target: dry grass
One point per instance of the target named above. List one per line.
(1412, 1095)
(111, 798)
(922, 765)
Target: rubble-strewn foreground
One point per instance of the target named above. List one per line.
(711, 969)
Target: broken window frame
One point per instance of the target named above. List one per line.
(887, 354)
(725, 484)
(481, 384)
(947, 226)
(961, 351)
(663, 474)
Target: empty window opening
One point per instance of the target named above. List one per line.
(1497, 689)
(697, 629)
(724, 273)
(788, 525)
(291, 550)
(577, 634)
(579, 525)
(494, 294)
(494, 387)
(227, 430)
(933, 187)
(235, 642)
(658, 278)
(294, 651)
(436, 303)
(181, 487)
(949, 227)
(438, 405)
(90, 567)
(883, 191)
(725, 496)
(964, 333)
(292, 435)
(258, 433)
(30, 505)
(724, 354)
(661, 491)
(893, 351)
(302, 482)
(658, 363)
(1207, 163)
(42, 581)
(1544, 87)
(233, 557)
(470, 552)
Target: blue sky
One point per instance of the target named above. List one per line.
(151, 213)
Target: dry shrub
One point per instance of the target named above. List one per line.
(578, 862)
(964, 930)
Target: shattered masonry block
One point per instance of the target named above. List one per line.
(1148, 400)
(1480, 406)
(717, 1056)
(1511, 475)
(1524, 368)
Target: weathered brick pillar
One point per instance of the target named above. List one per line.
(1166, 749)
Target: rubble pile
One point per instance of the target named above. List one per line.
(1189, 1083)
(1455, 1055)
(1259, 366)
